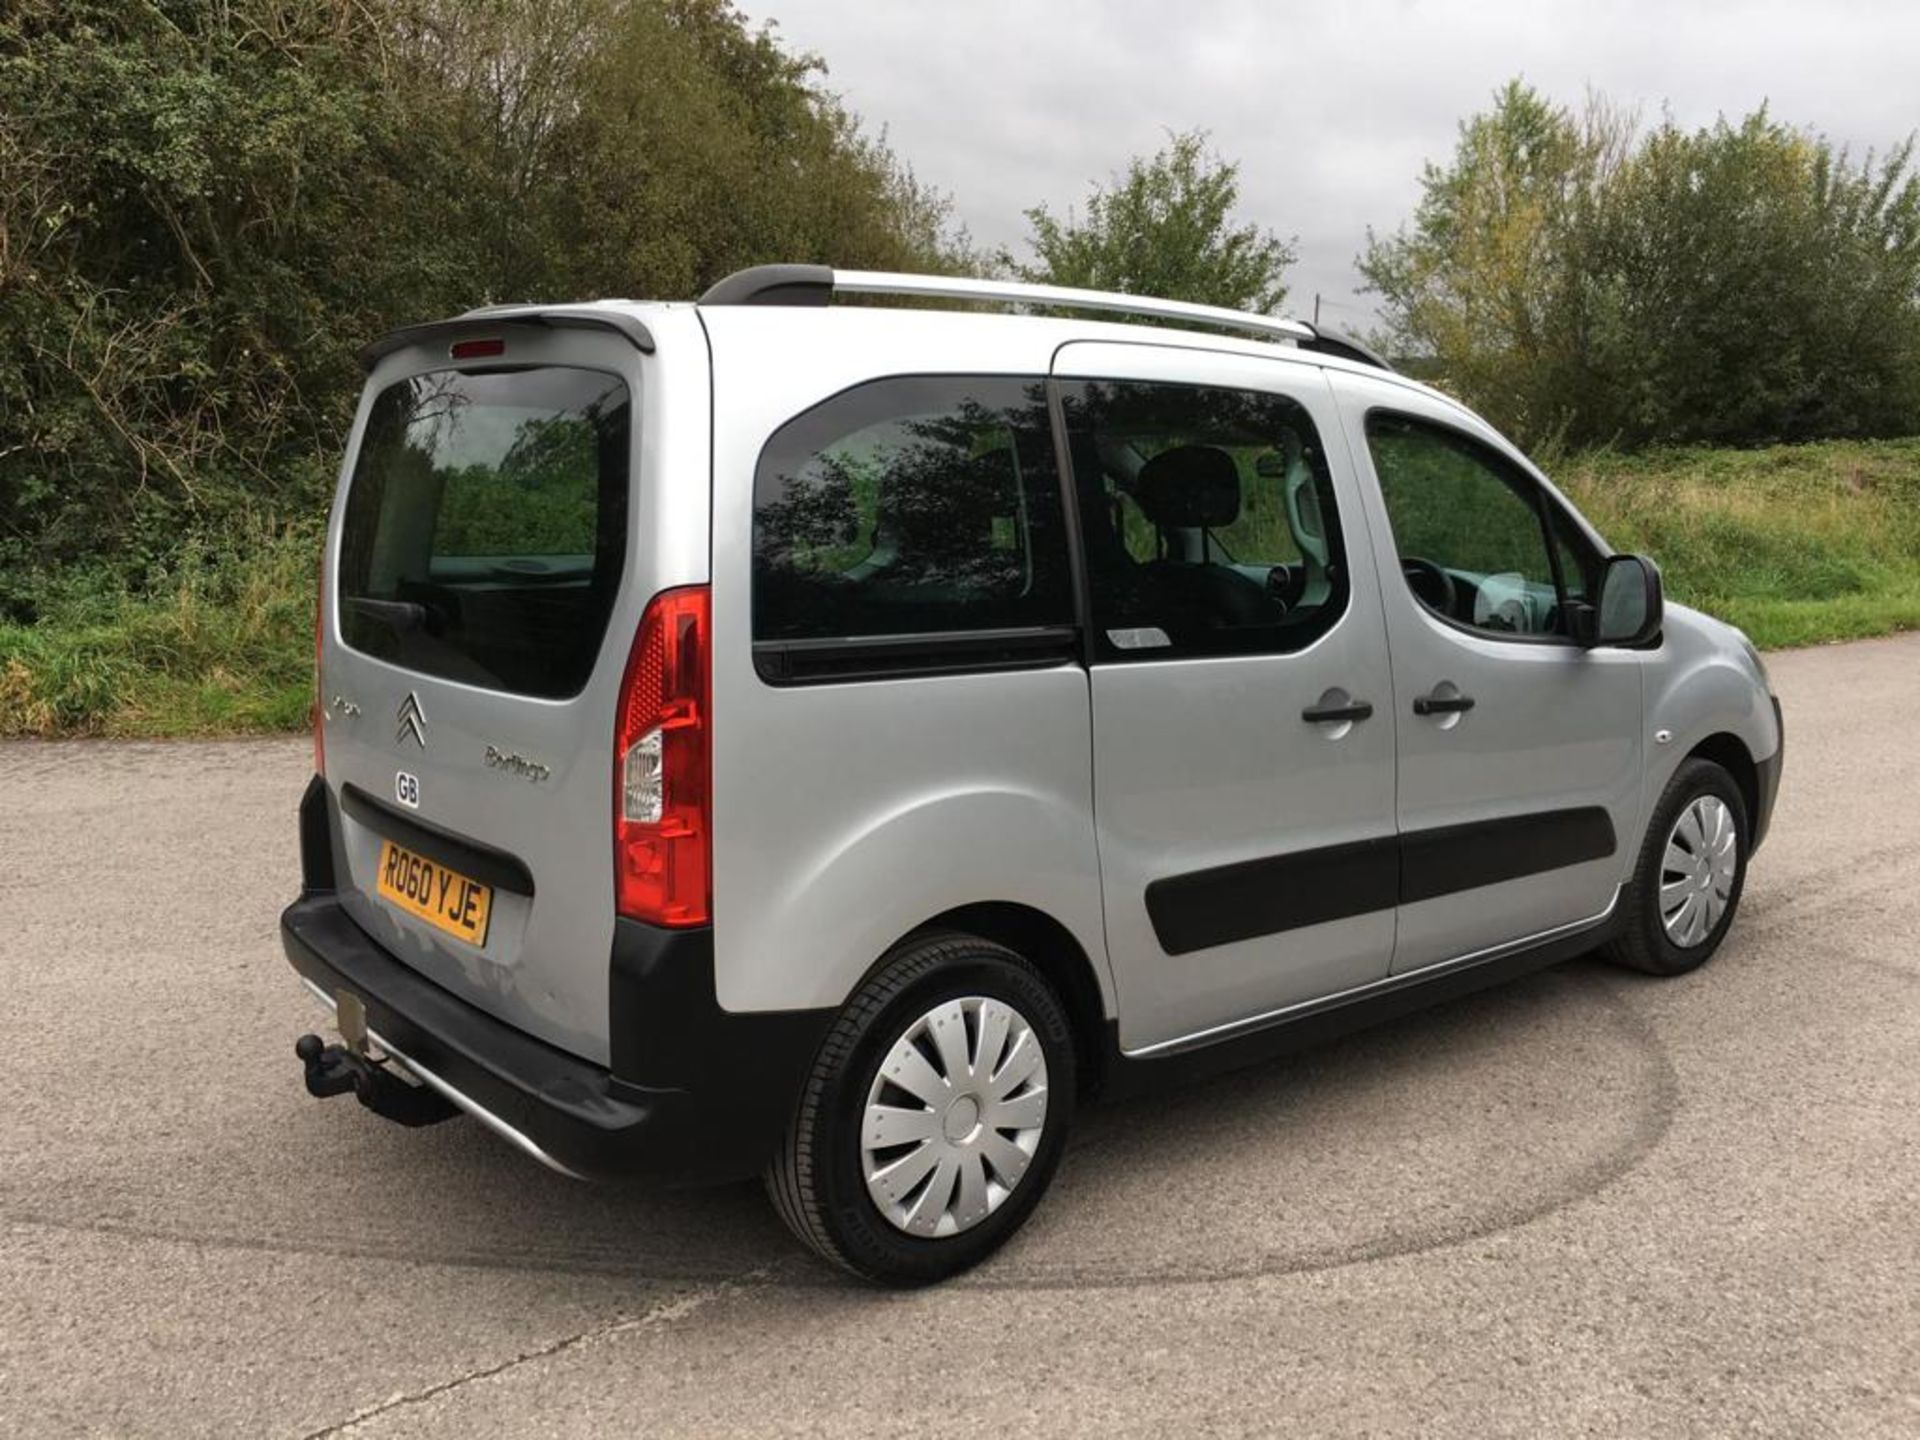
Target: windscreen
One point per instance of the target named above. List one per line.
(485, 526)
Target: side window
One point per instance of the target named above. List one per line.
(1579, 561)
(911, 506)
(1469, 528)
(1208, 519)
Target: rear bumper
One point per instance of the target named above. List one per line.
(696, 1094)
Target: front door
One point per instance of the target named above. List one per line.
(1519, 751)
(1242, 725)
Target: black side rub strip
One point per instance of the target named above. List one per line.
(472, 859)
(1287, 892)
(1263, 897)
(1451, 858)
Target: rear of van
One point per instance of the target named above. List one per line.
(506, 845)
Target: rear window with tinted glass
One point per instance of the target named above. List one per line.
(485, 526)
(912, 505)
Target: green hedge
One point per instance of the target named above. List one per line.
(1795, 544)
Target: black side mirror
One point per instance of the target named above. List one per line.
(1629, 612)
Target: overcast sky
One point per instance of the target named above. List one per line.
(1329, 107)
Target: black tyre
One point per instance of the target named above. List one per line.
(934, 1116)
(1693, 864)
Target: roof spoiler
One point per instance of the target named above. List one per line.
(492, 320)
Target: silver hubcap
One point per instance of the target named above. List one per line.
(1696, 875)
(954, 1116)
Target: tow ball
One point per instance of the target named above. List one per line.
(337, 1069)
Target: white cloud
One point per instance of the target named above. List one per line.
(1329, 107)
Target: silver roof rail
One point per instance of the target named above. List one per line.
(1061, 297)
(817, 284)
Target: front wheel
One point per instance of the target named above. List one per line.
(934, 1116)
(1692, 867)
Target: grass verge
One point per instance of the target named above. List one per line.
(1795, 544)
(221, 644)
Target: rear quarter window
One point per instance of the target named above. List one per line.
(911, 506)
(485, 526)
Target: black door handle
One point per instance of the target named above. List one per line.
(1442, 704)
(1333, 714)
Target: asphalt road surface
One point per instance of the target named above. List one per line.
(1587, 1203)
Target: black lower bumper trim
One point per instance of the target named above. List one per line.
(1769, 776)
(668, 1031)
(577, 1114)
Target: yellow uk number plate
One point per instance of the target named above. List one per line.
(441, 897)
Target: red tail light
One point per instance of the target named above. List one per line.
(319, 634)
(662, 795)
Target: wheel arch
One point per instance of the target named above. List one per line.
(1730, 753)
(1704, 699)
(1052, 949)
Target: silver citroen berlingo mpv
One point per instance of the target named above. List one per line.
(764, 736)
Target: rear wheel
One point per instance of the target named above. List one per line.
(1692, 867)
(934, 1116)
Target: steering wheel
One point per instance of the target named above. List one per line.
(1431, 585)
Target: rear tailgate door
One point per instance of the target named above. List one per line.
(494, 541)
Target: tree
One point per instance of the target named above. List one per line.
(1763, 286)
(206, 209)
(1166, 227)
(1577, 279)
(1485, 282)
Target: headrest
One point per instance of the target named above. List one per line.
(1190, 485)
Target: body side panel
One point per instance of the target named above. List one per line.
(1699, 684)
(1556, 731)
(847, 814)
(1204, 765)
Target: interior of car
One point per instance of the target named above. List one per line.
(1213, 535)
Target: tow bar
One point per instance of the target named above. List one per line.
(336, 1069)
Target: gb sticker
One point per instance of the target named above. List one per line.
(406, 789)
